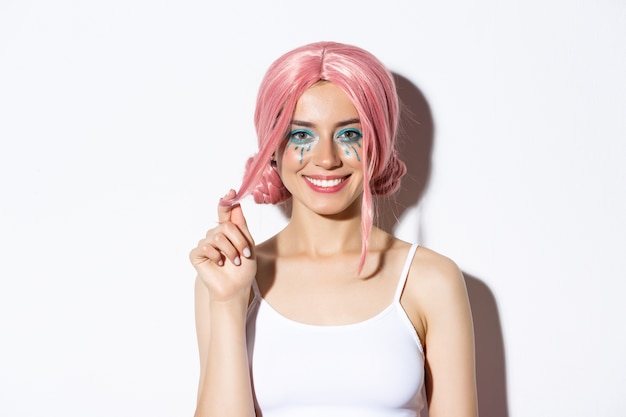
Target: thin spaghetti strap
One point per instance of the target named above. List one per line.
(405, 272)
(255, 288)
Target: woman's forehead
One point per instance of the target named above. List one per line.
(324, 103)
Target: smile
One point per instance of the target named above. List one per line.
(325, 183)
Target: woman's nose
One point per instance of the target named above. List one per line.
(326, 154)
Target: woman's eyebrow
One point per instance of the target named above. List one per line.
(340, 124)
(302, 123)
(348, 122)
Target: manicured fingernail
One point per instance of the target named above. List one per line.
(220, 262)
(246, 252)
(237, 261)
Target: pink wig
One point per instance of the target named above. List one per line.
(371, 88)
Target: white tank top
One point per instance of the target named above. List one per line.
(373, 368)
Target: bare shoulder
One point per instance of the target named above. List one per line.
(433, 269)
(428, 267)
(435, 288)
(438, 305)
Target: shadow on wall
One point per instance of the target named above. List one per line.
(415, 144)
(490, 358)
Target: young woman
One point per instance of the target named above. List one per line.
(331, 316)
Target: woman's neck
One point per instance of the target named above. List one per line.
(321, 235)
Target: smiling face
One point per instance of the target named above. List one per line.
(321, 161)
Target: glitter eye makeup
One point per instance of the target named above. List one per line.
(301, 136)
(302, 140)
(350, 139)
(350, 134)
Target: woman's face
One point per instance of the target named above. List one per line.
(321, 162)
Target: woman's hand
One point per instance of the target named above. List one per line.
(225, 258)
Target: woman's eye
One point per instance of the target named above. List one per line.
(350, 135)
(301, 136)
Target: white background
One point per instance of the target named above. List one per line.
(123, 122)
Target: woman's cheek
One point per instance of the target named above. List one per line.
(297, 153)
(352, 151)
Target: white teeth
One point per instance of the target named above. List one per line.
(325, 183)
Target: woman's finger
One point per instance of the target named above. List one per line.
(237, 217)
(224, 210)
(224, 243)
(237, 238)
(203, 252)
(233, 215)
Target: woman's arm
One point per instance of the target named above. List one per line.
(448, 337)
(224, 388)
(226, 266)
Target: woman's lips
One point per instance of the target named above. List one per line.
(326, 184)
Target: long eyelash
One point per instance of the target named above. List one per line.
(297, 131)
(351, 129)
